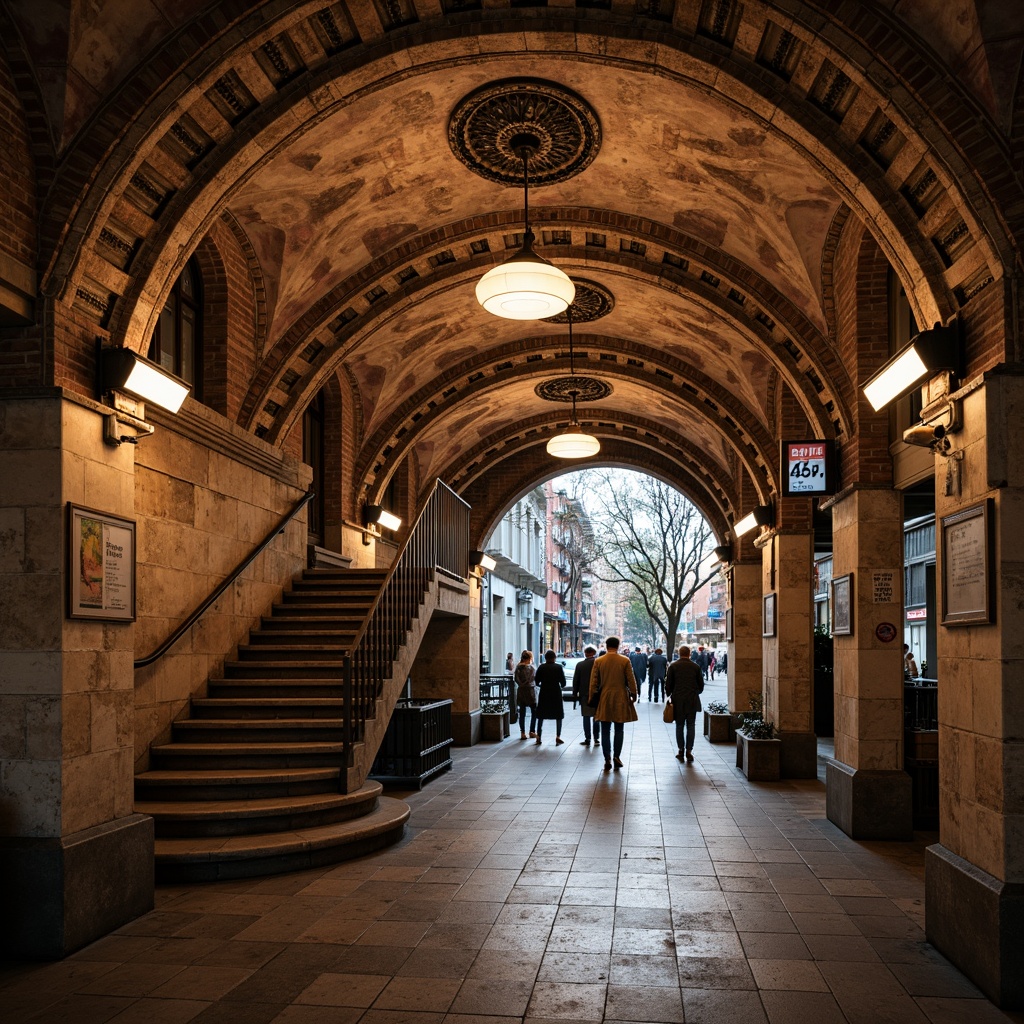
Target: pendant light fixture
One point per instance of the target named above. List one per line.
(526, 286)
(572, 443)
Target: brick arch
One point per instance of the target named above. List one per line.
(696, 395)
(623, 433)
(706, 275)
(893, 195)
(492, 495)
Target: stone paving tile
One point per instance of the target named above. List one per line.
(530, 887)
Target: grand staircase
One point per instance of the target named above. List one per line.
(256, 780)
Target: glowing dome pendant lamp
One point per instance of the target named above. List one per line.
(526, 286)
(572, 443)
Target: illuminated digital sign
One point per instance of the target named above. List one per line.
(808, 468)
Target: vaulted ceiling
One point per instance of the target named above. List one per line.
(734, 143)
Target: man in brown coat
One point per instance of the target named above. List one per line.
(613, 693)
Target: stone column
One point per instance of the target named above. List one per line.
(787, 572)
(448, 660)
(868, 793)
(744, 675)
(974, 878)
(75, 861)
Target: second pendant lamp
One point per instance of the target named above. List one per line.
(572, 443)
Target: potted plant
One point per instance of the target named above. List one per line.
(494, 724)
(758, 750)
(719, 725)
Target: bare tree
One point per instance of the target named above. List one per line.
(653, 539)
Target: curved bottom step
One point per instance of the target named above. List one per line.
(211, 859)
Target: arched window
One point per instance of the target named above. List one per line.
(177, 339)
(313, 456)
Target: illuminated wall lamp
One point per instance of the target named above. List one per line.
(925, 355)
(724, 553)
(121, 369)
(760, 515)
(482, 560)
(378, 515)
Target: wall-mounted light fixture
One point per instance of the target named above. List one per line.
(760, 515)
(378, 515)
(926, 354)
(121, 369)
(481, 560)
(724, 553)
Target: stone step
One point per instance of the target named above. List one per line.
(284, 707)
(237, 784)
(218, 858)
(265, 668)
(296, 652)
(266, 730)
(245, 753)
(180, 818)
(269, 686)
(307, 624)
(328, 610)
(342, 598)
(317, 639)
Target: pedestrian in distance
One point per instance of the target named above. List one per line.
(657, 666)
(526, 693)
(613, 693)
(581, 693)
(510, 662)
(683, 686)
(639, 662)
(550, 679)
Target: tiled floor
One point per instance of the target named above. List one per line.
(531, 886)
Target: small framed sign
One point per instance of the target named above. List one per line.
(808, 468)
(768, 615)
(966, 572)
(842, 605)
(728, 623)
(100, 565)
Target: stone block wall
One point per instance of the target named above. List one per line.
(206, 494)
(66, 693)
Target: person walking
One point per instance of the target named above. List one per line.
(526, 693)
(550, 678)
(510, 662)
(910, 669)
(581, 693)
(613, 693)
(683, 686)
(657, 666)
(639, 662)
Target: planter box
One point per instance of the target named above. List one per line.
(719, 728)
(494, 726)
(759, 759)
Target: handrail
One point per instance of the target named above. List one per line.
(437, 541)
(189, 622)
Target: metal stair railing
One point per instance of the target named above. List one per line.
(194, 617)
(438, 542)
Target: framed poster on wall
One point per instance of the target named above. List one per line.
(768, 615)
(100, 565)
(728, 623)
(842, 605)
(966, 567)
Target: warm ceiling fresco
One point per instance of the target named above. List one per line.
(378, 172)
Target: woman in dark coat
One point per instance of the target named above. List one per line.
(550, 703)
(526, 692)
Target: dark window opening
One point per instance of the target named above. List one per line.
(177, 339)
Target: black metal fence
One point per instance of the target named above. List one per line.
(417, 745)
(438, 542)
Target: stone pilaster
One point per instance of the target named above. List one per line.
(744, 669)
(868, 793)
(974, 880)
(75, 861)
(786, 572)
